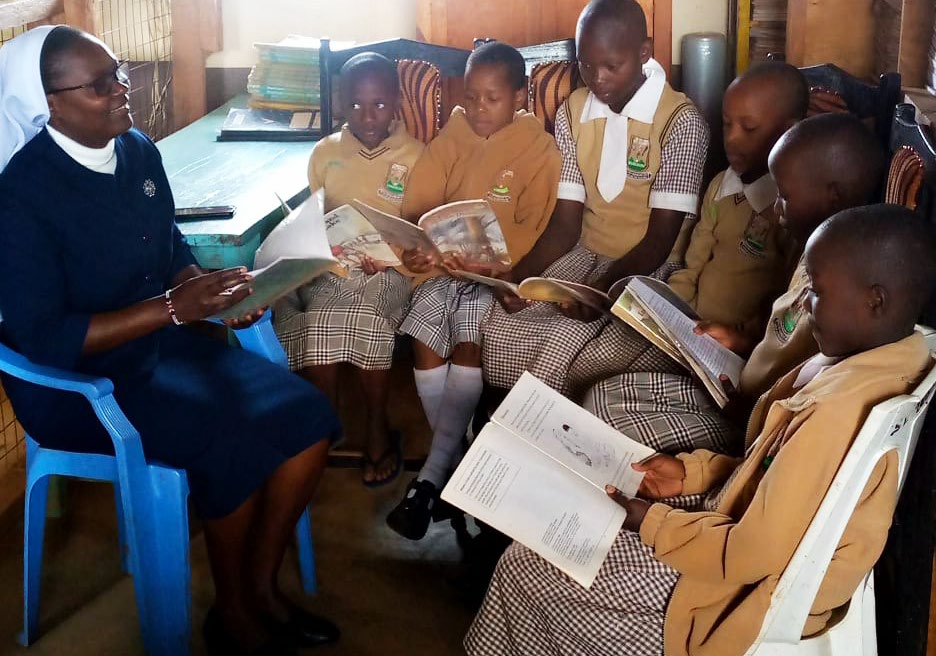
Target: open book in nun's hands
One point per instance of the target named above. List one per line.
(467, 229)
(293, 254)
(537, 472)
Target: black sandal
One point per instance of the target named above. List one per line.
(395, 451)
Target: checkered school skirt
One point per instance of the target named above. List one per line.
(533, 608)
(615, 350)
(444, 312)
(334, 319)
(540, 339)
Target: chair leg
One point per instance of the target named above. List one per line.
(37, 495)
(306, 553)
(162, 580)
(122, 533)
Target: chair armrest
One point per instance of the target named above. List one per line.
(260, 339)
(17, 365)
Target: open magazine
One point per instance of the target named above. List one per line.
(551, 290)
(537, 472)
(352, 238)
(651, 308)
(467, 228)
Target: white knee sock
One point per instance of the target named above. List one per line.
(430, 385)
(462, 393)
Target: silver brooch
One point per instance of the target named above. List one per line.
(149, 187)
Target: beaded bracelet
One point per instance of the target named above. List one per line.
(169, 306)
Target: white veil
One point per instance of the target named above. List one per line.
(23, 107)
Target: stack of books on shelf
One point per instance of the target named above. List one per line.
(768, 28)
(284, 93)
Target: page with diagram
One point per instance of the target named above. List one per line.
(537, 473)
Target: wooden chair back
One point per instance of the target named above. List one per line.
(911, 178)
(865, 100)
(448, 62)
(549, 85)
(420, 98)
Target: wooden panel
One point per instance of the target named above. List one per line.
(814, 34)
(14, 13)
(81, 14)
(517, 22)
(522, 23)
(196, 29)
(916, 33)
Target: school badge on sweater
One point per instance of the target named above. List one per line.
(500, 191)
(395, 183)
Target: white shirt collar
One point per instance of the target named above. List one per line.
(641, 107)
(813, 367)
(760, 194)
(613, 166)
(99, 160)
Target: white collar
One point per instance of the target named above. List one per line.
(643, 104)
(760, 194)
(615, 146)
(813, 367)
(99, 160)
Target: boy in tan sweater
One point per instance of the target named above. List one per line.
(699, 583)
(490, 149)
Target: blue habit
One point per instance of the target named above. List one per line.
(75, 243)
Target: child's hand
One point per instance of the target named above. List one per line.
(510, 302)
(454, 263)
(663, 476)
(417, 261)
(730, 337)
(370, 267)
(579, 312)
(636, 508)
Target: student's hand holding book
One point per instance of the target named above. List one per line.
(509, 301)
(733, 338)
(370, 267)
(417, 261)
(663, 476)
(636, 508)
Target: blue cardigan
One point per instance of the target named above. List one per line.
(74, 242)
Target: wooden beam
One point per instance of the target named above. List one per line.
(916, 34)
(663, 34)
(14, 13)
(196, 31)
(81, 14)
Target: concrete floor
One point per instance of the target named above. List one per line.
(389, 595)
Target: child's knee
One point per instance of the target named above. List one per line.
(424, 357)
(467, 354)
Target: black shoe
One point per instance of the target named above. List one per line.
(412, 515)
(218, 642)
(304, 630)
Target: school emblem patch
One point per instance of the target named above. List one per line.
(638, 154)
(395, 183)
(786, 324)
(500, 191)
(754, 241)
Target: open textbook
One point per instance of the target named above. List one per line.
(551, 290)
(275, 280)
(652, 309)
(467, 229)
(537, 472)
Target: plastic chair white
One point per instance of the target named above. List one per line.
(892, 425)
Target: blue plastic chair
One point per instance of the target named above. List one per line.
(151, 499)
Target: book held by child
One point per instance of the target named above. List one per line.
(466, 229)
(652, 309)
(537, 472)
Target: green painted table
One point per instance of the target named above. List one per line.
(245, 174)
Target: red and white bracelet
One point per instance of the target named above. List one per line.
(172, 313)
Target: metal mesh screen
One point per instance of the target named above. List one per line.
(6, 35)
(140, 32)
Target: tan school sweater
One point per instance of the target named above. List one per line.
(516, 170)
(730, 560)
(787, 341)
(345, 169)
(738, 253)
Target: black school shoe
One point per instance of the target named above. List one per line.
(304, 630)
(412, 515)
(219, 642)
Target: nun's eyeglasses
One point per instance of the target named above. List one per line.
(103, 85)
